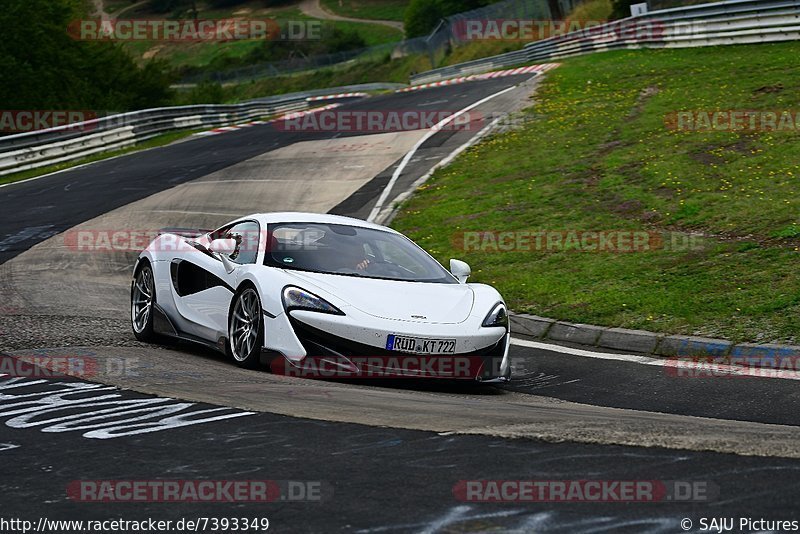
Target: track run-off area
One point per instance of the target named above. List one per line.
(391, 455)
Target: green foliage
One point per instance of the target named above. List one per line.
(168, 6)
(334, 39)
(422, 16)
(789, 232)
(368, 9)
(622, 8)
(205, 93)
(344, 40)
(44, 68)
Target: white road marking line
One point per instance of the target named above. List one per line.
(431, 132)
(677, 364)
(443, 163)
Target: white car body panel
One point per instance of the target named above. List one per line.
(390, 299)
(373, 308)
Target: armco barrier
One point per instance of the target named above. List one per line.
(41, 148)
(718, 23)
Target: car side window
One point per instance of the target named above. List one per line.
(246, 234)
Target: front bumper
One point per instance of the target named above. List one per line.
(332, 355)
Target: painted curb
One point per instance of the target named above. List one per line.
(642, 341)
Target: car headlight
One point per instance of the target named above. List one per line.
(295, 298)
(497, 317)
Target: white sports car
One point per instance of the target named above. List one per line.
(321, 295)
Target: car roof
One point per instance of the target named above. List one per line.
(305, 217)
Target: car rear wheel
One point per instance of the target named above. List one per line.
(143, 298)
(246, 328)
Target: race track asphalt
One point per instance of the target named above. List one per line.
(384, 477)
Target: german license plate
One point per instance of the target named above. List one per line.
(419, 345)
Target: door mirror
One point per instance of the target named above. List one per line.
(460, 270)
(222, 246)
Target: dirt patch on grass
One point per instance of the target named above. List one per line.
(627, 207)
(707, 158)
(777, 88)
(153, 52)
(716, 154)
(644, 95)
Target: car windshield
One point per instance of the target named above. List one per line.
(351, 250)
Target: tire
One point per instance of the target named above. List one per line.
(143, 300)
(245, 328)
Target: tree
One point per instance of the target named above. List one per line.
(622, 8)
(344, 40)
(421, 17)
(44, 68)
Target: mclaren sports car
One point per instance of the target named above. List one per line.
(320, 295)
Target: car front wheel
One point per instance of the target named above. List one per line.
(246, 328)
(143, 298)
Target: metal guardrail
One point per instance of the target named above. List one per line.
(718, 23)
(32, 150)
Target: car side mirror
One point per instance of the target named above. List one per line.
(222, 248)
(460, 270)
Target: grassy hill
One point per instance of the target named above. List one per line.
(595, 154)
(211, 56)
(368, 9)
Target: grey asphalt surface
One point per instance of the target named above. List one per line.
(384, 480)
(633, 386)
(35, 210)
(381, 479)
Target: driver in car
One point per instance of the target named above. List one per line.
(352, 255)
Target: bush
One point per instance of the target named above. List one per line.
(622, 8)
(422, 16)
(344, 40)
(205, 93)
(47, 69)
(167, 6)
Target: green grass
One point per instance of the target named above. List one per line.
(592, 10)
(479, 49)
(160, 140)
(368, 9)
(200, 55)
(379, 70)
(373, 34)
(594, 154)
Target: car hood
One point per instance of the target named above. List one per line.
(397, 300)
